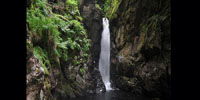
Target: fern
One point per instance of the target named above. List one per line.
(43, 58)
(65, 32)
(62, 45)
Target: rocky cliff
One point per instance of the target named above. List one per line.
(92, 19)
(141, 46)
(62, 57)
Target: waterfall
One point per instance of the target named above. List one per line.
(104, 61)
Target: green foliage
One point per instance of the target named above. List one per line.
(56, 37)
(43, 58)
(29, 45)
(82, 71)
(47, 83)
(99, 7)
(107, 5)
(110, 7)
(64, 33)
(38, 19)
(78, 28)
(72, 6)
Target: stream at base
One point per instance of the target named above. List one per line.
(112, 95)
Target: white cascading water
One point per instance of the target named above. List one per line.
(104, 61)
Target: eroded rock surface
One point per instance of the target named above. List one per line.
(141, 47)
(35, 79)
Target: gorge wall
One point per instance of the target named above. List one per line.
(62, 57)
(92, 21)
(141, 46)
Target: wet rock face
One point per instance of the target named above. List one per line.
(92, 19)
(141, 47)
(35, 78)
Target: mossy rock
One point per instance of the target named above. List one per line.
(111, 13)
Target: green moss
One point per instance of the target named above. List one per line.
(47, 84)
(43, 58)
(98, 7)
(68, 89)
(82, 71)
(149, 30)
(111, 9)
(107, 5)
(37, 70)
(29, 44)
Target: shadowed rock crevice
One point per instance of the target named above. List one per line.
(92, 19)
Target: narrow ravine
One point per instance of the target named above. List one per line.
(98, 50)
